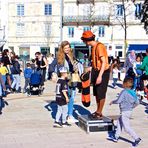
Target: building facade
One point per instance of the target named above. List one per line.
(106, 20)
(33, 26)
(3, 23)
(40, 25)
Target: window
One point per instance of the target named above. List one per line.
(47, 29)
(120, 53)
(48, 9)
(45, 50)
(86, 28)
(20, 29)
(70, 32)
(119, 47)
(87, 10)
(119, 10)
(70, 10)
(24, 53)
(101, 31)
(138, 10)
(20, 10)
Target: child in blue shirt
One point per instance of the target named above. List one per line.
(127, 100)
(27, 74)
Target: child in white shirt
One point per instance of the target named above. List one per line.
(115, 72)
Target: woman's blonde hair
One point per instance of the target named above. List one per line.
(128, 82)
(61, 54)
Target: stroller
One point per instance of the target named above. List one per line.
(35, 87)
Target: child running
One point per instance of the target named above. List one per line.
(62, 99)
(127, 100)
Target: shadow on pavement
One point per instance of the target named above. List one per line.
(120, 85)
(112, 133)
(111, 86)
(146, 106)
(52, 107)
(126, 140)
(78, 109)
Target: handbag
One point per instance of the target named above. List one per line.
(75, 79)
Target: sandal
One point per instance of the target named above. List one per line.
(96, 115)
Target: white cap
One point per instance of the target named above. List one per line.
(62, 69)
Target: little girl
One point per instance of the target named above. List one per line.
(115, 72)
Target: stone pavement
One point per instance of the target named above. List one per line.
(26, 123)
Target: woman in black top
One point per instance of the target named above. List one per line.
(41, 64)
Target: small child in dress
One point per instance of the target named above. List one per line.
(62, 99)
(115, 72)
(27, 74)
(127, 100)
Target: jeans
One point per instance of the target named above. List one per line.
(1, 91)
(61, 111)
(124, 122)
(4, 79)
(72, 94)
(138, 83)
(27, 81)
(16, 81)
(42, 72)
(115, 81)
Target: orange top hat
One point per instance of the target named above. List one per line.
(87, 36)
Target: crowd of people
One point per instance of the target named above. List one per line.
(67, 67)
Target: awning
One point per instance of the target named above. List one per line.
(75, 43)
(138, 47)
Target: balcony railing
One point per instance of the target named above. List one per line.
(85, 2)
(86, 20)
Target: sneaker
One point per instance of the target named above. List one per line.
(109, 137)
(57, 124)
(137, 141)
(115, 87)
(71, 119)
(9, 91)
(66, 124)
(113, 138)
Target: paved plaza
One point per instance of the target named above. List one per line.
(26, 123)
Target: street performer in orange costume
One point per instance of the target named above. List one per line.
(99, 71)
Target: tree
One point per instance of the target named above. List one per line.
(145, 15)
(128, 8)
